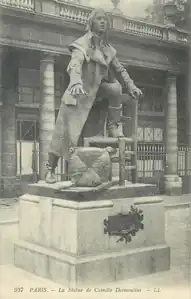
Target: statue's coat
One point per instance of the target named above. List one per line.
(89, 66)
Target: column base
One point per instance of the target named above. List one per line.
(173, 185)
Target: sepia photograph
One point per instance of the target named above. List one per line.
(95, 149)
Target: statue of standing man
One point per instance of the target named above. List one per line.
(94, 71)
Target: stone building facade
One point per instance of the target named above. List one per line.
(34, 36)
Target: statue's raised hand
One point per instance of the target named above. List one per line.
(77, 89)
(136, 93)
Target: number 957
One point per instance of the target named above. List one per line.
(18, 290)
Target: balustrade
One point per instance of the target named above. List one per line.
(78, 13)
(74, 12)
(22, 4)
(143, 29)
(70, 11)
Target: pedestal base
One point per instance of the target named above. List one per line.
(173, 185)
(66, 241)
(87, 271)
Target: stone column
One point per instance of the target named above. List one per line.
(189, 79)
(188, 106)
(47, 109)
(1, 84)
(9, 145)
(188, 158)
(173, 183)
(189, 101)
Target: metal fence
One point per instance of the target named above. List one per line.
(184, 161)
(150, 160)
(151, 164)
(152, 157)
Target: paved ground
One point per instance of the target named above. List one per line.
(174, 200)
(172, 284)
(175, 283)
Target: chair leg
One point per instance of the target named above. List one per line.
(66, 170)
(122, 145)
(134, 162)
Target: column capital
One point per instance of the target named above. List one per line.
(48, 56)
(171, 76)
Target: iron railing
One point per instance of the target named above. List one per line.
(151, 162)
(184, 161)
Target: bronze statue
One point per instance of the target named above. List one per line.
(94, 72)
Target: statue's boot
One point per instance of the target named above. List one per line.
(114, 115)
(50, 176)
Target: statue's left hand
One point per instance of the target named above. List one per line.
(136, 93)
(77, 90)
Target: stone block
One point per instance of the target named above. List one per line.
(154, 220)
(64, 229)
(91, 237)
(64, 240)
(72, 227)
(91, 270)
(8, 234)
(29, 225)
(129, 190)
(78, 228)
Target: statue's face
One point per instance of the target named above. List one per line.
(100, 23)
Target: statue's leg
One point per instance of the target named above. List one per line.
(113, 92)
(68, 127)
(55, 150)
(50, 176)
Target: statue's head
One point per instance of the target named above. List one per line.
(99, 22)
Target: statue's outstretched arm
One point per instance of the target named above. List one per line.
(122, 74)
(75, 68)
(124, 78)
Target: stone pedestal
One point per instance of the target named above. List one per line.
(64, 240)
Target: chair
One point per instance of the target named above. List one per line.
(126, 147)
